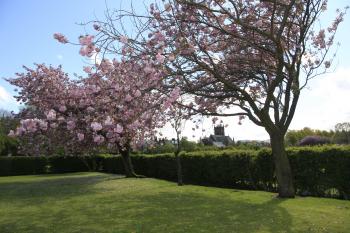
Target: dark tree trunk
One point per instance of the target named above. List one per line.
(128, 167)
(178, 162)
(178, 168)
(282, 167)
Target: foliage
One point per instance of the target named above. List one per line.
(293, 137)
(8, 146)
(314, 140)
(319, 171)
(342, 133)
(64, 164)
(169, 147)
(233, 58)
(95, 202)
(166, 147)
(21, 165)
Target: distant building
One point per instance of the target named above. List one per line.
(218, 139)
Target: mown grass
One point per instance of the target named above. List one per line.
(95, 202)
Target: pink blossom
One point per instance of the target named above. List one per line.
(160, 58)
(171, 57)
(86, 40)
(87, 50)
(128, 98)
(43, 125)
(90, 109)
(60, 37)
(87, 69)
(174, 94)
(108, 121)
(20, 131)
(62, 108)
(137, 93)
(51, 115)
(124, 39)
(70, 125)
(119, 129)
(11, 134)
(96, 126)
(80, 137)
(106, 66)
(99, 139)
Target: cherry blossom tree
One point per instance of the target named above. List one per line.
(118, 104)
(243, 58)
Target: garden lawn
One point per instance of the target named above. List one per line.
(96, 202)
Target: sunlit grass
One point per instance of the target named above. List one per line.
(95, 202)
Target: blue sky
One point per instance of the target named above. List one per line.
(26, 29)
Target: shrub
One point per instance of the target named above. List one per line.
(318, 171)
(62, 164)
(8, 146)
(22, 165)
(314, 140)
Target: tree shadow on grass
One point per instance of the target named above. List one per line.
(194, 212)
(140, 205)
(51, 186)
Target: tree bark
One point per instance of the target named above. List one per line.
(178, 161)
(282, 167)
(178, 168)
(128, 167)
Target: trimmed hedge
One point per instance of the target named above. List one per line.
(64, 164)
(318, 171)
(21, 165)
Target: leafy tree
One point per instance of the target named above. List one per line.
(8, 146)
(235, 58)
(342, 133)
(294, 137)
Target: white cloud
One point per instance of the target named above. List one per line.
(59, 57)
(326, 102)
(7, 101)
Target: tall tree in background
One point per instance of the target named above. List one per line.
(239, 58)
(342, 133)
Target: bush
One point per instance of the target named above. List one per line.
(22, 165)
(321, 171)
(318, 171)
(314, 140)
(8, 146)
(63, 164)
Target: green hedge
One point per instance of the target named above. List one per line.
(64, 164)
(318, 171)
(21, 165)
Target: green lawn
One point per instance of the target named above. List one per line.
(95, 202)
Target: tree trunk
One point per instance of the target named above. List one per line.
(178, 168)
(128, 167)
(282, 167)
(178, 160)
